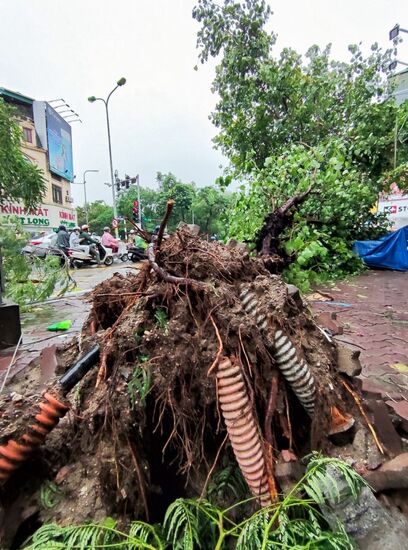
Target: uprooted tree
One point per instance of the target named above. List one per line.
(207, 360)
(287, 121)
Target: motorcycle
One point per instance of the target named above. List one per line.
(122, 253)
(80, 258)
(136, 254)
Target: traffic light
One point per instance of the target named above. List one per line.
(135, 211)
(117, 184)
(127, 182)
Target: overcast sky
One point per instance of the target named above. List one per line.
(159, 119)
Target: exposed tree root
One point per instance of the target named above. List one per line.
(147, 426)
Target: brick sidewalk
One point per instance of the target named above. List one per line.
(373, 310)
(36, 338)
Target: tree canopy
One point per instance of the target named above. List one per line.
(19, 179)
(206, 206)
(99, 215)
(267, 103)
(288, 121)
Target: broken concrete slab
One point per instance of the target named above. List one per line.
(364, 518)
(370, 390)
(401, 410)
(393, 474)
(327, 320)
(384, 427)
(48, 363)
(348, 361)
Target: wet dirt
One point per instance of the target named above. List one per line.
(145, 424)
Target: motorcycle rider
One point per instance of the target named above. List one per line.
(74, 241)
(63, 239)
(131, 237)
(86, 239)
(109, 241)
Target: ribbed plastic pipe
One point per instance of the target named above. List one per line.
(293, 368)
(14, 453)
(242, 428)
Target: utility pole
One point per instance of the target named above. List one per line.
(92, 99)
(138, 200)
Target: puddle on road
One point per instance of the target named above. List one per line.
(44, 314)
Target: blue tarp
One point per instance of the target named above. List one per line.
(389, 252)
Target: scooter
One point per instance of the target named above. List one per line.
(80, 258)
(136, 254)
(122, 253)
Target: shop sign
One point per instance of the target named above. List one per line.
(43, 216)
(395, 208)
(35, 216)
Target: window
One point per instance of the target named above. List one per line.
(28, 135)
(57, 194)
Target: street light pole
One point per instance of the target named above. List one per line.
(92, 99)
(85, 198)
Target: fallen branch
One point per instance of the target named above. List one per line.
(294, 201)
(169, 209)
(267, 240)
(141, 232)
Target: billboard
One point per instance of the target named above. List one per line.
(59, 144)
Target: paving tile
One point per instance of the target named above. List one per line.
(376, 324)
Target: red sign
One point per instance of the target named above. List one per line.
(115, 223)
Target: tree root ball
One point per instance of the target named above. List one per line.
(146, 426)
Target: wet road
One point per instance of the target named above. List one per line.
(73, 307)
(88, 278)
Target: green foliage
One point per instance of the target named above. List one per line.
(268, 102)
(100, 215)
(29, 278)
(286, 122)
(50, 495)
(294, 522)
(396, 177)
(20, 180)
(90, 536)
(226, 482)
(205, 205)
(181, 523)
(150, 206)
(182, 193)
(139, 384)
(162, 319)
(210, 206)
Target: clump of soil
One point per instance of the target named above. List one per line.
(145, 426)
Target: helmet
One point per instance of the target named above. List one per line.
(76, 228)
(85, 227)
(106, 228)
(132, 231)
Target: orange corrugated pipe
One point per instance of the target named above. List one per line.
(14, 453)
(50, 410)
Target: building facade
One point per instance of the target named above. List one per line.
(47, 144)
